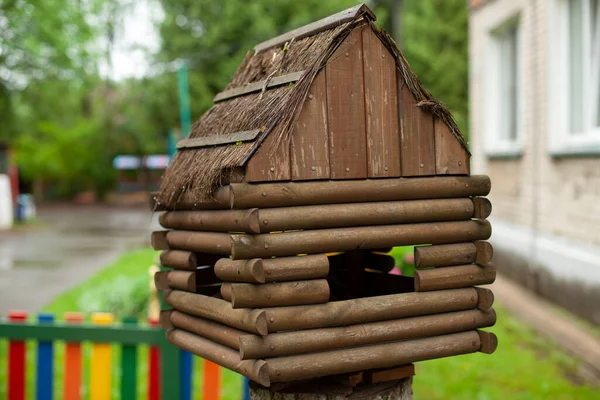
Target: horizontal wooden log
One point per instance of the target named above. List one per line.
(357, 238)
(181, 280)
(215, 220)
(178, 259)
(187, 201)
(454, 277)
(218, 310)
(209, 242)
(386, 355)
(251, 271)
(296, 268)
(369, 309)
(445, 255)
(244, 195)
(318, 340)
(256, 370)
(273, 269)
(364, 214)
(214, 331)
(247, 295)
(482, 207)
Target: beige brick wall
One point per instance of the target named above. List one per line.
(548, 195)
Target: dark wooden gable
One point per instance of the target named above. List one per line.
(360, 121)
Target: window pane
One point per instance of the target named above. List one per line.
(576, 65)
(511, 82)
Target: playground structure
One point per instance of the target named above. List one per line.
(322, 154)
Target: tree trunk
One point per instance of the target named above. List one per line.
(393, 390)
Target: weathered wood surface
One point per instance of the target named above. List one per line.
(215, 220)
(318, 340)
(271, 162)
(417, 135)
(257, 86)
(222, 334)
(323, 390)
(216, 140)
(307, 366)
(454, 277)
(381, 102)
(244, 195)
(356, 238)
(364, 214)
(445, 255)
(321, 25)
(210, 242)
(217, 310)
(179, 259)
(247, 295)
(256, 370)
(346, 109)
(310, 137)
(370, 309)
(451, 158)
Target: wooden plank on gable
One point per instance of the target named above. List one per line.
(269, 163)
(310, 139)
(217, 140)
(346, 109)
(258, 86)
(451, 158)
(381, 102)
(417, 137)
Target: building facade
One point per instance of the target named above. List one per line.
(535, 130)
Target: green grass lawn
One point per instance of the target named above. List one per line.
(525, 366)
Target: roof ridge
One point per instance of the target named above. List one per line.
(326, 23)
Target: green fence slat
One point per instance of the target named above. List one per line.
(129, 365)
(126, 335)
(170, 371)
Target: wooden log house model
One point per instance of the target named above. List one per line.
(322, 154)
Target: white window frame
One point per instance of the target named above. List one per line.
(562, 140)
(496, 142)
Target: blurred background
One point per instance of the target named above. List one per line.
(94, 94)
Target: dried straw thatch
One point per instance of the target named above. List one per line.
(197, 172)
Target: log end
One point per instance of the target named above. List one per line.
(226, 291)
(261, 373)
(485, 252)
(485, 298)
(482, 207)
(417, 278)
(489, 342)
(165, 319)
(158, 239)
(253, 221)
(257, 269)
(161, 280)
(260, 322)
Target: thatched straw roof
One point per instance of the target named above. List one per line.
(272, 110)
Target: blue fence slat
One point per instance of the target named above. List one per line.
(186, 375)
(45, 360)
(245, 382)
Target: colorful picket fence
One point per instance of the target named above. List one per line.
(169, 368)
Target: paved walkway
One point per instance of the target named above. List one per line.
(70, 244)
(544, 318)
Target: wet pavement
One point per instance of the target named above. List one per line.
(67, 245)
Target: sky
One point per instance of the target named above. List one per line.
(134, 40)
